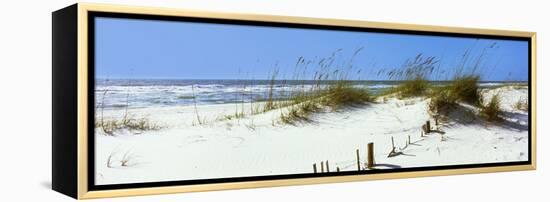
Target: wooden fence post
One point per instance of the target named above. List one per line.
(358, 163)
(315, 168)
(370, 162)
(337, 169)
(409, 139)
(428, 127)
(328, 169)
(322, 166)
(392, 145)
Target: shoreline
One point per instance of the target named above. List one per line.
(213, 94)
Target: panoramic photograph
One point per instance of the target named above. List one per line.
(177, 101)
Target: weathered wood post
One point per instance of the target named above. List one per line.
(409, 140)
(358, 163)
(428, 127)
(370, 158)
(315, 168)
(337, 169)
(392, 152)
(392, 145)
(328, 169)
(322, 166)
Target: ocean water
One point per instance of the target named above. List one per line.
(138, 93)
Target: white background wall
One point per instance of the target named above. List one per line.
(25, 99)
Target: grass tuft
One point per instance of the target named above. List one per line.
(521, 105)
(442, 101)
(492, 111)
(343, 93)
(413, 88)
(297, 113)
(109, 127)
(465, 88)
(337, 95)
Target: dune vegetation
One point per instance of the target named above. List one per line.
(414, 76)
(332, 87)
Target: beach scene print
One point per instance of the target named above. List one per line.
(178, 101)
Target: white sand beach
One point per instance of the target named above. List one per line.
(258, 145)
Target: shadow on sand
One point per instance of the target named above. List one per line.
(386, 165)
(466, 115)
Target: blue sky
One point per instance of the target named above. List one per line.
(129, 48)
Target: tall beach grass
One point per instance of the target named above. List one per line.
(414, 75)
(315, 85)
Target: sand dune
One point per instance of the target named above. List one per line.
(258, 145)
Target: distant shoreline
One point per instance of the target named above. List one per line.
(143, 93)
